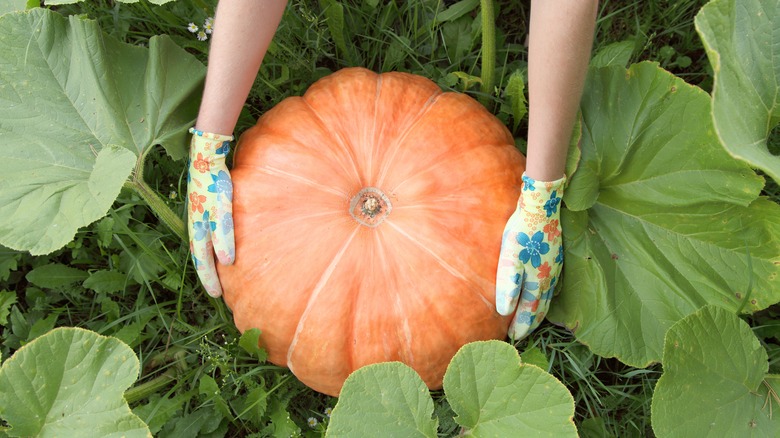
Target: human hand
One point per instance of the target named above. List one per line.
(210, 209)
(531, 257)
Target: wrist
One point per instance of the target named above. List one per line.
(542, 197)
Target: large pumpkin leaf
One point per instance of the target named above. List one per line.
(493, 394)
(743, 44)
(665, 219)
(70, 382)
(715, 380)
(386, 399)
(78, 110)
(12, 6)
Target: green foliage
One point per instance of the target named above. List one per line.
(68, 174)
(660, 220)
(743, 47)
(613, 54)
(488, 388)
(496, 395)
(713, 361)
(69, 382)
(129, 277)
(12, 6)
(385, 400)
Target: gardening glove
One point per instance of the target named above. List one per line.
(531, 257)
(210, 211)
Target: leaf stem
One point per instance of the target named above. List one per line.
(153, 200)
(140, 392)
(158, 206)
(488, 49)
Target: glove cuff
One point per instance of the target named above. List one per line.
(211, 135)
(210, 146)
(541, 196)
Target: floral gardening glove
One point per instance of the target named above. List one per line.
(531, 256)
(210, 210)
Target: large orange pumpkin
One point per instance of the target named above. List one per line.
(368, 219)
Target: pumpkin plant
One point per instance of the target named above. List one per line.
(660, 220)
(368, 218)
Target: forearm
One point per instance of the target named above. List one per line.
(242, 33)
(561, 36)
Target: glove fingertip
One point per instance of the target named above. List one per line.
(503, 309)
(214, 293)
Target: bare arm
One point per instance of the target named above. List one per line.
(242, 33)
(561, 36)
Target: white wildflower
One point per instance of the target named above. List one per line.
(202, 36)
(192, 27)
(328, 411)
(208, 25)
(312, 422)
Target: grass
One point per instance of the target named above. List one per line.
(185, 340)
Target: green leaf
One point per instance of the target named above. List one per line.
(7, 299)
(202, 422)
(12, 6)
(55, 275)
(105, 231)
(594, 428)
(8, 262)
(457, 10)
(466, 80)
(106, 282)
(494, 395)
(250, 342)
(458, 39)
(334, 13)
(209, 387)
(42, 326)
(535, 356)
(714, 381)
(743, 46)
(65, 171)
(618, 54)
(252, 407)
(667, 223)
(383, 400)
(515, 90)
(159, 410)
(283, 425)
(70, 382)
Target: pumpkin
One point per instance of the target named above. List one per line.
(368, 219)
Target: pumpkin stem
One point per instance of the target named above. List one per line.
(488, 50)
(370, 207)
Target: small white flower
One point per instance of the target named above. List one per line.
(328, 411)
(208, 25)
(312, 422)
(192, 27)
(173, 194)
(202, 36)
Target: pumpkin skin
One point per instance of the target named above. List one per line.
(368, 218)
